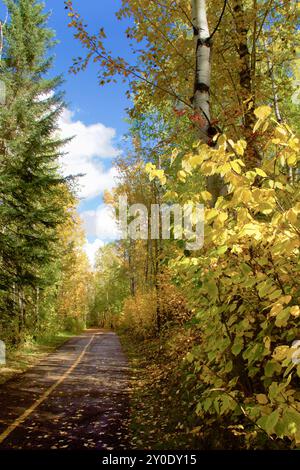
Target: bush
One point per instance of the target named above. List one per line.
(74, 325)
(248, 296)
(139, 314)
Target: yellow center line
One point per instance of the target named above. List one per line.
(44, 397)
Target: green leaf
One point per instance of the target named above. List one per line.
(212, 289)
(189, 357)
(237, 346)
(222, 250)
(271, 367)
(207, 404)
(277, 293)
(282, 317)
(217, 405)
(271, 421)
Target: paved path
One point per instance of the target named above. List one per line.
(76, 398)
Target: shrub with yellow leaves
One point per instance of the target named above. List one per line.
(247, 301)
(139, 314)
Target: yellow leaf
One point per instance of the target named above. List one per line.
(206, 196)
(251, 230)
(281, 130)
(224, 169)
(150, 167)
(285, 299)
(236, 167)
(174, 155)
(260, 172)
(196, 160)
(257, 125)
(239, 148)
(222, 140)
(295, 311)
(263, 112)
(278, 307)
(211, 214)
(294, 143)
(292, 216)
(181, 175)
(265, 127)
(292, 160)
(262, 399)
(160, 174)
(280, 353)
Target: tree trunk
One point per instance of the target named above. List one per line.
(157, 285)
(22, 320)
(274, 87)
(245, 74)
(158, 254)
(37, 309)
(131, 268)
(201, 99)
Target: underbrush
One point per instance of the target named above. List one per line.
(164, 395)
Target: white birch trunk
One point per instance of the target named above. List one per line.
(274, 87)
(201, 101)
(203, 66)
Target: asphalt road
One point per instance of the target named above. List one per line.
(76, 398)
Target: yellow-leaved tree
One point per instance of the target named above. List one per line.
(74, 288)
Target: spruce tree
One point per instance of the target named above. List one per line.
(31, 189)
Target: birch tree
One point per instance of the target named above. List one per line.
(201, 100)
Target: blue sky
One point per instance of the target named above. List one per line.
(96, 115)
(82, 91)
(91, 105)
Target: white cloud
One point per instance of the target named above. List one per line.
(85, 153)
(91, 250)
(89, 141)
(101, 223)
(94, 180)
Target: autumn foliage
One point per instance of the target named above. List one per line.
(237, 299)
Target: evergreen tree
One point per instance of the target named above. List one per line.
(31, 189)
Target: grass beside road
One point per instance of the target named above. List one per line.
(29, 354)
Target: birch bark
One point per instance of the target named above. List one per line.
(201, 99)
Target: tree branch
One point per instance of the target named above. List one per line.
(219, 22)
